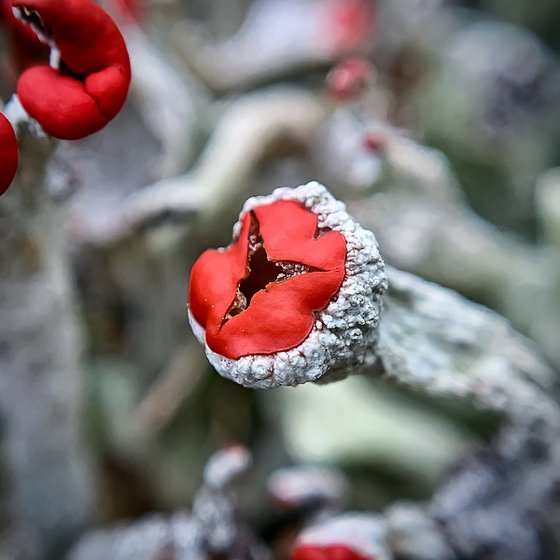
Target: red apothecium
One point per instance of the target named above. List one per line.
(91, 85)
(260, 295)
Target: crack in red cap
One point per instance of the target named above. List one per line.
(24, 46)
(261, 294)
(8, 154)
(91, 86)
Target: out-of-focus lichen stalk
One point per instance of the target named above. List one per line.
(48, 477)
(249, 130)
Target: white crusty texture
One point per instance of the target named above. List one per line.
(344, 335)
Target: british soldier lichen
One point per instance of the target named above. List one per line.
(295, 297)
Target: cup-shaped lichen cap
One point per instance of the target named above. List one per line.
(295, 298)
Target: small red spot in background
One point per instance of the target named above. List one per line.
(132, 8)
(374, 142)
(349, 78)
(350, 25)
